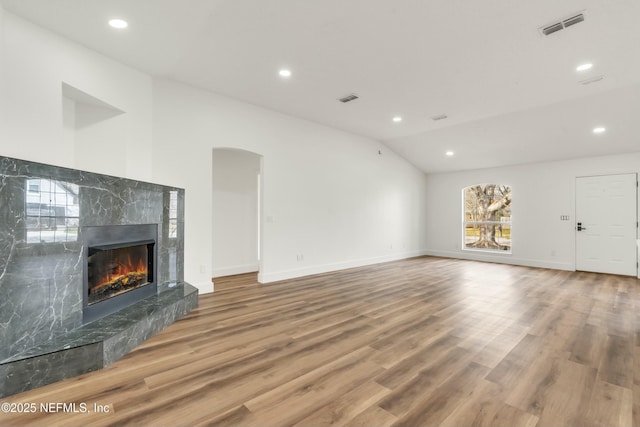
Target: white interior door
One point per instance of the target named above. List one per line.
(606, 224)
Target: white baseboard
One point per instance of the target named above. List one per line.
(236, 269)
(501, 259)
(325, 268)
(472, 256)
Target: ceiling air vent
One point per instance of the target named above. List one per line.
(561, 24)
(591, 80)
(573, 20)
(348, 98)
(552, 29)
(439, 117)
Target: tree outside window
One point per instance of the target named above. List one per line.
(487, 217)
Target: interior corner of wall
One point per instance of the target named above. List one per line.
(204, 287)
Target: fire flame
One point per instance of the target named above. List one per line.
(123, 271)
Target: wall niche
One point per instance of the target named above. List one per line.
(94, 131)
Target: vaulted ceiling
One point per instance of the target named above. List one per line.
(511, 95)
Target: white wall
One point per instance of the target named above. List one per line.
(3, 95)
(541, 193)
(35, 64)
(328, 195)
(235, 212)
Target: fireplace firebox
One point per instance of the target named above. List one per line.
(119, 267)
(115, 269)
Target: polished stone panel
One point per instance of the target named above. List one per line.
(97, 344)
(43, 369)
(43, 209)
(149, 317)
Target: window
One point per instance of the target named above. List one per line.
(487, 217)
(34, 186)
(52, 211)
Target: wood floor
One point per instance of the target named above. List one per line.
(420, 342)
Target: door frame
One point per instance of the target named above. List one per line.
(575, 216)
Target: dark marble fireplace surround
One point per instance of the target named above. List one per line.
(43, 210)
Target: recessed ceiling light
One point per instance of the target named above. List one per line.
(449, 153)
(397, 119)
(584, 67)
(118, 23)
(599, 129)
(285, 73)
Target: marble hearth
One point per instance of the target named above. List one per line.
(43, 210)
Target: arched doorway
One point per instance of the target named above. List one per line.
(236, 211)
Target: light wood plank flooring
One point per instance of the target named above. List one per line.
(419, 342)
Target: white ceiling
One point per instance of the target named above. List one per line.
(512, 95)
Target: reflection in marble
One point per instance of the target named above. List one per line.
(41, 283)
(97, 344)
(40, 370)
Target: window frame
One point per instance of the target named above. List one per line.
(52, 215)
(465, 223)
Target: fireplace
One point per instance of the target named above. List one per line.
(116, 269)
(119, 267)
